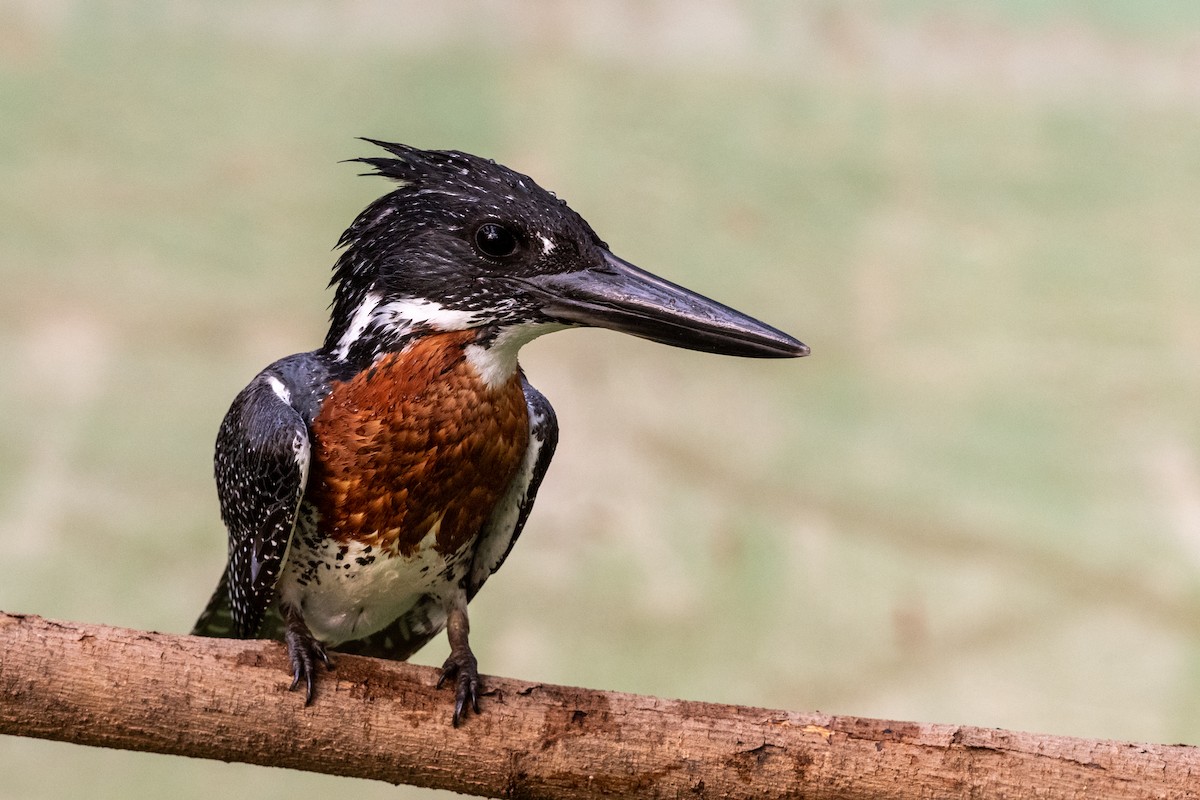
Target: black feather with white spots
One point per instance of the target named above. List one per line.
(261, 467)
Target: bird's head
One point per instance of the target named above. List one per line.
(466, 243)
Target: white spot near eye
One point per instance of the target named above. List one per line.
(280, 390)
(547, 245)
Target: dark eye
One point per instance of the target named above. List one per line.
(495, 240)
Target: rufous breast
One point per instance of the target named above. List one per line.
(416, 441)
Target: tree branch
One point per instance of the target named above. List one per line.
(228, 700)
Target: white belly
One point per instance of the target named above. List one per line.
(348, 591)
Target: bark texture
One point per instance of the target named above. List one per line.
(228, 700)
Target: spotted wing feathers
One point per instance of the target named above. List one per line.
(261, 463)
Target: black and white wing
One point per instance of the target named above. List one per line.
(424, 620)
(508, 520)
(261, 465)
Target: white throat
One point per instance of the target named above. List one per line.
(497, 361)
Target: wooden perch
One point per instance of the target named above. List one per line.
(228, 700)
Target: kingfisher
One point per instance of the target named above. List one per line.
(371, 486)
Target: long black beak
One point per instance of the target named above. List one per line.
(619, 296)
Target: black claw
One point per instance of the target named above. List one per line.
(303, 652)
(461, 666)
(460, 706)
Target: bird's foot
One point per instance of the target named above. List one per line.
(463, 669)
(304, 651)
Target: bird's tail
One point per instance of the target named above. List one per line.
(217, 618)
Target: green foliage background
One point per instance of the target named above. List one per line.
(977, 502)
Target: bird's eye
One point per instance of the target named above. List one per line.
(495, 241)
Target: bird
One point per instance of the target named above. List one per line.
(371, 486)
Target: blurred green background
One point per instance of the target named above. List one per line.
(977, 502)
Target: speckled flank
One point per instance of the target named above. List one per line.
(415, 441)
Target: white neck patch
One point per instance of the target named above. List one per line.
(404, 315)
(399, 317)
(358, 324)
(497, 362)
